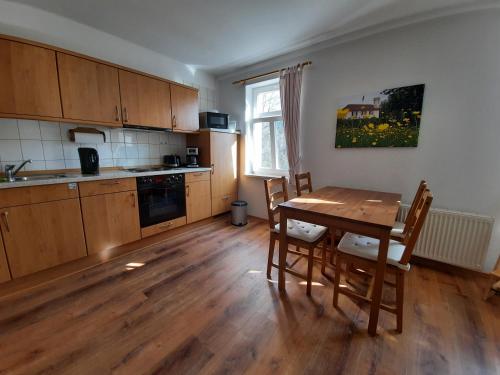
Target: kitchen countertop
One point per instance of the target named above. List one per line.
(105, 175)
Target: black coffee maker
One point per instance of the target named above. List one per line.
(89, 160)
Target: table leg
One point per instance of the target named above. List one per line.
(282, 250)
(332, 245)
(378, 284)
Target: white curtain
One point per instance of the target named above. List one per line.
(290, 89)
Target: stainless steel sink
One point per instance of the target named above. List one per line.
(35, 177)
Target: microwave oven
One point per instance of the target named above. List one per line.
(213, 120)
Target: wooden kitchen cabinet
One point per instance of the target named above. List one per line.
(42, 235)
(90, 90)
(114, 185)
(198, 196)
(28, 81)
(219, 150)
(145, 100)
(110, 220)
(4, 266)
(184, 109)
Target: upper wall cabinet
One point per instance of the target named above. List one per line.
(28, 80)
(89, 90)
(145, 100)
(184, 109)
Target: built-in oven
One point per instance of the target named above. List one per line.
(161, 198)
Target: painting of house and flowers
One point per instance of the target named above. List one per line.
(389, 118)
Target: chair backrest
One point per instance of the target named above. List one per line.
(306, 186)
(417, 199)
(276, 192)
(421, 212)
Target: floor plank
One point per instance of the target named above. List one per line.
(199, 303)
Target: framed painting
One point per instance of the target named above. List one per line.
(387, 118)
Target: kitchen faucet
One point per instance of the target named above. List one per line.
(10, 173)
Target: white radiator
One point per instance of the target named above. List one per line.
(453, 237)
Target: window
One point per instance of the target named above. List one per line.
(265, 136)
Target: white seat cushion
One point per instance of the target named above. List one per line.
(367, 247)
(303, 231)
(398, 228)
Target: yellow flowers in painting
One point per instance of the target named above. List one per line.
(388, 118)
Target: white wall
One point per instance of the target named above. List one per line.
(458, 59)
(34, 24)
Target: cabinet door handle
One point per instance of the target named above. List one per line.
(125, 114)
(117, 112)
(174, 121)
(5, 218)
(197, 174)
(213, 168)
(187, 190)
(110, 183)
(167, 225)
(226, 197)
(133, 199)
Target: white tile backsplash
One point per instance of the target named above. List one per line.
(117, 136)
(118, 151)
(143, 137)
(50, 131)
(53, 150)
(154, 151)
(8, 129)
(64, 130)
(154, 138)
(131, 151)
(48, 145)
(70, 151)
(72, 164)
(55, 164)
(104, 150)
(130, 136)
(143, 151)
(35, 165)
(10, 150)
(32, 149)
(29, 129)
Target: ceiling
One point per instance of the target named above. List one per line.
(223, 35)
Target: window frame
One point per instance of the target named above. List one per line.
(269, 117)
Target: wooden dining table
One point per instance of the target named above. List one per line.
(365, 212)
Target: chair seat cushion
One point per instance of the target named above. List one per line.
(303, 231)
(367, 247)
(398, 228)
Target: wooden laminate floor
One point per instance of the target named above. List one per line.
(200, 303)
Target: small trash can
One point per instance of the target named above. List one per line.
(239, 213)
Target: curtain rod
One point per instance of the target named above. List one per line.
(241, 81)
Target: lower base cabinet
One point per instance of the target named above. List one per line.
(198, 197)
(222, 203)
(43, 235)
(110, 220)
(4, 266)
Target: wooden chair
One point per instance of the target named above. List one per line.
(400, 229)
(302, 235)
(362, 252)
(493, 286)
(336, 235)
(298, 185)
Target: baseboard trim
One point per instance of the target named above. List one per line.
(448, 268)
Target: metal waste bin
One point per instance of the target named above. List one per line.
(239, 213)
